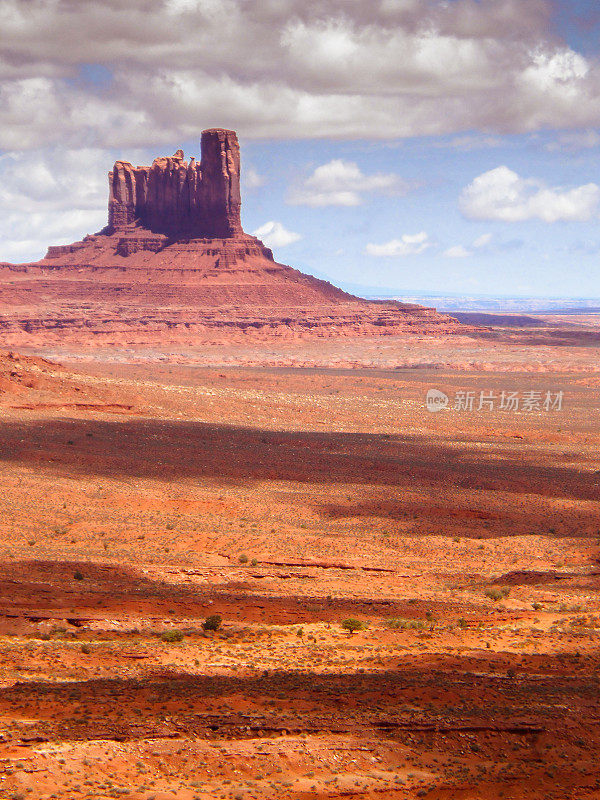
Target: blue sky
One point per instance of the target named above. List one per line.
(398, 145)
(529, 257)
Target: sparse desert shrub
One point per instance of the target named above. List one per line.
(351, 625)
(212, 623)
(254, 562)
(172, 636)
(494, 594)
(536, 606)
(85, 649)
(243, 559)
(78, 576)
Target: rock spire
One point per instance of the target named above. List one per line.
(181, 199)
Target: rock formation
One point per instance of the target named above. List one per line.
(174, 267)
(180, 199)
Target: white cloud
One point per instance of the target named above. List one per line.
(408, 245)
(50, 197)
(285, 68)
(483, 240)
(458, 251)
(470, 142)
(502, 194)
(251, 179)
(274, 234)
(342, 183)
(575, 140)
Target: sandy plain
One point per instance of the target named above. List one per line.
(287, 489)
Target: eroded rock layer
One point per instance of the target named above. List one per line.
(180, 198)
(173, 266)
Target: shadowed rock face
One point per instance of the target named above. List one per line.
(178, 198)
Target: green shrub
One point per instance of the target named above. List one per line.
(254, 562)
(243, 559)
(351, 625)
(172, 636)
(494, 594)
(78, 576)
(212, 623)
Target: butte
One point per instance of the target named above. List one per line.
(174, 267)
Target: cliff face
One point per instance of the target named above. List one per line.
(181, 199)
(174, 268)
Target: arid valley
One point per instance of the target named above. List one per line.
(286, 489)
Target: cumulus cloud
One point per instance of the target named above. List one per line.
(274, 234)
(284, 68)
(502, 194)
(50, 198)
(342, 183)
(407, 245)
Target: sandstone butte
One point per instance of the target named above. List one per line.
(174, 266)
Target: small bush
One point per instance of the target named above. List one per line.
(212, 623)
(254, 562)
(85, 649)
(494, 594)
(536, 606)
(78, 576)
(351, 625)
(243, 559)
(172, 636)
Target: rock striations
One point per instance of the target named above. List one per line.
(180, 199)
(173, 267)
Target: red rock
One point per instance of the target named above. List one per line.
(174, 267)
(180, 199)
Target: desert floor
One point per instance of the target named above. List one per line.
(139, 499)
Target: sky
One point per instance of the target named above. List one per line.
(397, 146)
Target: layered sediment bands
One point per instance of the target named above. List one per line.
(185, 293)
(173, 266)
